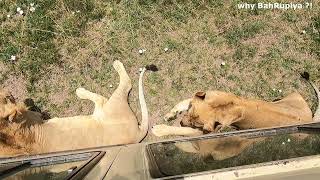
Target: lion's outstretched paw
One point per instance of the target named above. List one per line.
(170, 116)
(160, 130)
(81, 93)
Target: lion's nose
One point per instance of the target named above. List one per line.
(182, 124)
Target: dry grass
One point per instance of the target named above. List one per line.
(59, 49)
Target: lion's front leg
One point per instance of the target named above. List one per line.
(98, 100)
(85, 94)
(177, 109)
(164, 130)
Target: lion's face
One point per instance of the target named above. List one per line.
(212, 111)
(201, 115)
(9, 109)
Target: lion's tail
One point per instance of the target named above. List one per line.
(316, 116)
(144, 126)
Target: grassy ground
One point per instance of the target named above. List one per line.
(65, 44)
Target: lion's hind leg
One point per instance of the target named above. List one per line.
(125, 81)
(120, 95)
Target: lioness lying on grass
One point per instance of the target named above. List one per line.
(111, 123)
(214, 111)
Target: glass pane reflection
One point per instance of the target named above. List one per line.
(202, 155)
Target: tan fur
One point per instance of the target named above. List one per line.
(215, 109)
(111, 123)
(9, 109)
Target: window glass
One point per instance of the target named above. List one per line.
(218, 153)
(53, 168)
(51, 172)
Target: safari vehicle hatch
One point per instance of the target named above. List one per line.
(269, 146)
(67, 166)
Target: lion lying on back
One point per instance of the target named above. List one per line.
(112, 122)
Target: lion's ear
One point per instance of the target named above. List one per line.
(12, 115)
(201, 95)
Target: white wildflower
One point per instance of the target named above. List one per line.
(289, 140)
(110, 86)
(303, 32)
(166, 49)
(223, 63)
(13, 58)
(144, 50)
(72, 12)
(8, 16)
(78, 11)
(283, 143)
(18, 9)
(274, 89)
(31, 4)
(32, 9)
(21, 12)
(280, 91)
(141, 51)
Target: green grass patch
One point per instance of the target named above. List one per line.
(246, 31)
(290, 16)
(314, 32)
(245, 52)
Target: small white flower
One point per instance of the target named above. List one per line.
(166, 49)
(144, 50)
(283, 143)
(31, 4)
(140, 69)
(32, 9)
(280, 91)
(303, 32)
(13, 58)
(77, 11)
(110, 86)
(8, 16)
(18, 9)
(289, 140)
(223, 63)
(72, 12)
(141, 51)
(21, 12)
(274, 89)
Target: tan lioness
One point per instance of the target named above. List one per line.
(213, 111)
(111, 123)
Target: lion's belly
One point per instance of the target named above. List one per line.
(93, 134)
